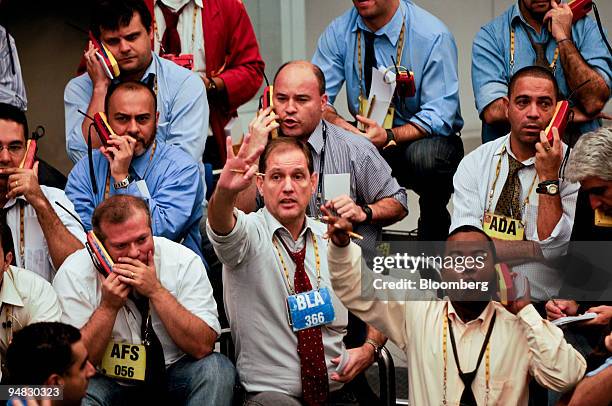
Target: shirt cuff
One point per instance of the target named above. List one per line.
(239, 216)
(341, 254)
(488, 93)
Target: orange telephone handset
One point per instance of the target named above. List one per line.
(558, 120)
(30, 156)
(580, 8)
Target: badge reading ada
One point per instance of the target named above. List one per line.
(503, 227)
(310, 309)
(124, 361)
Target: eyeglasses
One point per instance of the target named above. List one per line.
(13, 149)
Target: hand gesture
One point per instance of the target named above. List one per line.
(604, 315)
(337, 227)
(559, 19)
(24, 182)
(238, 172)
(373, 131)
(95, 70)
(119, 153)
(548, 158)
(141, 277)
(114, 292)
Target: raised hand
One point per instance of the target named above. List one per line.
(239, 170)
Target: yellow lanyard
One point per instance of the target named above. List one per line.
(317, 263)
(552, 66)
(161, 48)
(107, 188)
(400, 49)
(497, 170)
(444, 352)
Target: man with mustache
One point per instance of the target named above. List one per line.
(540, 32)
(136, 163)
(124, 27)
(44, 234)
(511, 189)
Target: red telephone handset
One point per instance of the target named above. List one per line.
(104, 130)
(30, 156)
(558, 120)
(510, 287)
(580, 8)
(109, 63)
(102, 261)
(268, 101)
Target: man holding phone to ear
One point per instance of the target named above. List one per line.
(44, 234)
(541, 32)
(157, 300)
(124, 27)
(511, 189)
(136, 163)
(467, 349)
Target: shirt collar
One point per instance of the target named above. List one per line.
(8, 293)
(391, 30)
(506, 145)
(484, 318)
(516, 16)
(141, 163)
(316, 138)
(177, 4)
(274, 225)
(13, 201)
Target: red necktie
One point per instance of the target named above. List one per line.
(171, 41)
(315, 385)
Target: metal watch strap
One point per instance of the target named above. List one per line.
(123, 183)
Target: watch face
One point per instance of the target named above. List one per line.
(553, 189)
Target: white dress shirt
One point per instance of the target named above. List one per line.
(521, 346)
(180, 271)
(37, 258)
(473, 181)
(191, 43)
(26, 298)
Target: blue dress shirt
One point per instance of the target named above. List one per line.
(491, 70)
(429, 51)
(181, 103)
(172, 188)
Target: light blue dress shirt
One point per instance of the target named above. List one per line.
(429, 51)
(491, 70)
(181, 103)
(172, 188)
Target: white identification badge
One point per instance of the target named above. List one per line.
(503, 227)
(124, 361)
(310, 309)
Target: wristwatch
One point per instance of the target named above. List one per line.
(123, 183)
(368, 212)
(548, 187)
(373, 343)
(390, 139)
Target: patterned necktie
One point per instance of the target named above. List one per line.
(370, 59)
(315, 385)
(171, 41)
(509, 200)
(540, 50)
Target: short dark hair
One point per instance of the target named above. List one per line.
(285, 143)
(112, 14)
(40, 350)
(11, 113)
(533, 72)
(131, 85)
(315, 70)
(116, 210)
(468, 228)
